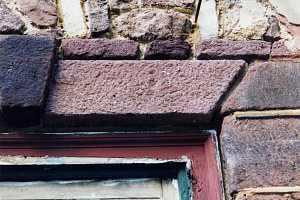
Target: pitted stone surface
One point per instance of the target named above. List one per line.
(260, 153)
(150, 24)
(175, 49)
(25, 62)
(93, 93)
(41, 13)
(98, 16)
(185, 4)
(228, 49)
(270, 85)
(100, 49)
(9, 22)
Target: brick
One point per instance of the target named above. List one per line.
(176, 49)
(268, 85)
(100, 49)
(281, 52)
(25, 62)
(41, 13)
(229, 49)
(98, 16)
(184, 4)
(260, 153)
(148, 24)
(97, 93)
(9, 22)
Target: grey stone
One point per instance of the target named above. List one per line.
(98, 16)
(99, 93)
(25, 63)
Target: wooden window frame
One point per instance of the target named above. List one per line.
(199, 147)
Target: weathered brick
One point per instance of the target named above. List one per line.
(260, 153)
(269, 85)
(100, 49)
(184, 4)
(41, 13)
(9, 22)
(281, 52)
(229, 49)
(149, 24)
(98, 16)
(25, 62)
(95, 93)
(176, 49)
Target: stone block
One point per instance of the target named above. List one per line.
(25, 63)
(98, 16)
(99, 93)
(268, 85)
(9, 22)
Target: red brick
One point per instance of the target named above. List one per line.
(154, 92)
(103, 49)
(260, 153)
(269, 85)
(228, 49)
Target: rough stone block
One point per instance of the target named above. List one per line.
(104, 49)
(98, 16)
(98, 93)
(184, 4)
(228, 49)
(269, 85)
(9, 22)
(281, 52)
(260, 153)
(25, 62)
(149, 24)
(41, 13)
(119, 6)
(176, 49)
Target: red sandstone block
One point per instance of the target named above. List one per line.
(260, 153)
(269, 85)
(100, 49)
(228, 49)
(93, 93)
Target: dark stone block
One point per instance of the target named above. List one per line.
(269, 85)
(98, 93)
(25, 63)
(260, 153)
(228, 49)
(175, 49)
(103, 49)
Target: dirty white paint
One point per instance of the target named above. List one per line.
(288, 8)
(208, 20)
(91, 189)
(73, 18)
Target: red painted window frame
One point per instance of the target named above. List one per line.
(199, 147)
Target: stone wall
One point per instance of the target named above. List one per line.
(74, 64)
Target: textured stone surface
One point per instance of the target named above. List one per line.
(41, 13)
(95, 93)
(281, 52)
(270, 197)
(150, 24)
(123, 5)
(98, 16)
(99, 49)
(288, 8)
(243, 19)
(208, 20)
(228, 49)
(25, 62)
(260, 153)
(73, 18)
(176, 49)
(185, 4)
(273, 32)
(269, 85)
(9, 22)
